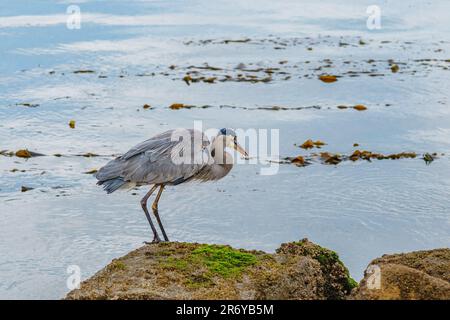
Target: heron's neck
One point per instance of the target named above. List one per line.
(219, 154)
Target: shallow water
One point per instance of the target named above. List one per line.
(360, 209)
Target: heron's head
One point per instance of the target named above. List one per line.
(230, 140)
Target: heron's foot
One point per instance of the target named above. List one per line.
(152, 242)
(155, 240)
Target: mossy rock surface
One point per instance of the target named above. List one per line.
(298, 270)
(338, 281)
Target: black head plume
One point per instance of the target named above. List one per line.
(227, 132)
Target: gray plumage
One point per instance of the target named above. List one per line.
(152, 161)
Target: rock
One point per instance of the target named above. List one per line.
(298, 270)
(416, 275)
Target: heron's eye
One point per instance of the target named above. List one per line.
(235, 140)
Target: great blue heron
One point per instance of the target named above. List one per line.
(170, 158)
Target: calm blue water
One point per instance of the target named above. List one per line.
(362, 210)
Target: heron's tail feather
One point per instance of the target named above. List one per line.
(110, 176)
(112, 185)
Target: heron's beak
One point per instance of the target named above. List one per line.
(241, 150)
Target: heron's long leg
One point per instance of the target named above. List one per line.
(156, 213)
(144, 207)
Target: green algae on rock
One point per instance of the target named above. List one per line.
(213, 260)
(223, 260)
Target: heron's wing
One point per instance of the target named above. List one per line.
(171, 157)
(158, 142)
